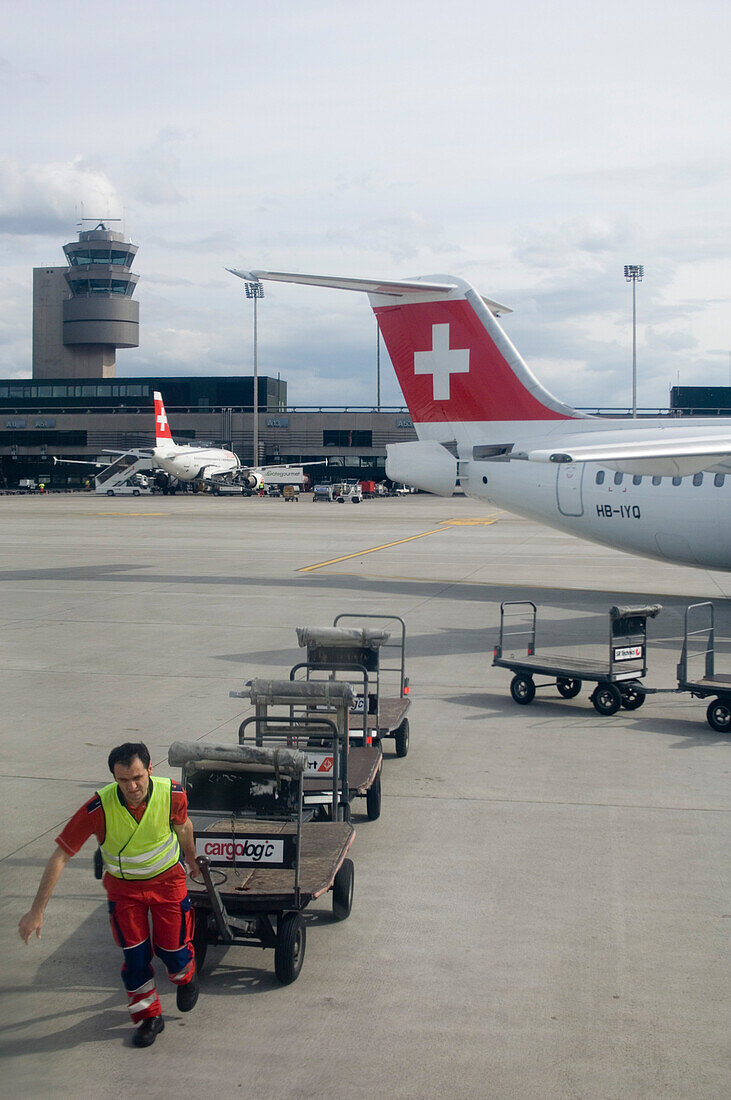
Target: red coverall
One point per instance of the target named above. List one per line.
(131, 903)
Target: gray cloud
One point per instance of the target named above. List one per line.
(48, 198)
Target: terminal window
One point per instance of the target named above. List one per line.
(347, 438)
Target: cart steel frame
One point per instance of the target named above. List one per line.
(386, 711)
(696, 669)
(316, 721)
(363, 756)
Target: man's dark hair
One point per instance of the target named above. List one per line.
(126, 753)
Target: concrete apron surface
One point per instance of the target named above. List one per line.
(541, 909)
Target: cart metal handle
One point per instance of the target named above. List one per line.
(358, 669)
(388, 645)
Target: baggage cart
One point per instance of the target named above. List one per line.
(261, 864)
(382, 656)
(363, 757)
(313, 717)
(617, 677)
(696, 669)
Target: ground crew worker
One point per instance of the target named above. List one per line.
(141, 823)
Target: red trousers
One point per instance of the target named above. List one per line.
(132, 906)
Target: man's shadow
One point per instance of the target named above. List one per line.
(86, 962)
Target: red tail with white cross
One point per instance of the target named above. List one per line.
(163, 435)
(455, 364)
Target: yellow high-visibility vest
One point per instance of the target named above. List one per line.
(144, 849)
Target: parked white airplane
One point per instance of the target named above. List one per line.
(659, 487)
(188, 462)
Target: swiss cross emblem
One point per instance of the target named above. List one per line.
(441, 362)
(162, 420)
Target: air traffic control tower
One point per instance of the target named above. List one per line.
(83, 312)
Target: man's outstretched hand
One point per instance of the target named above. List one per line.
(30, 923)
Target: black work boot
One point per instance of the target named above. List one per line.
(148, 1031)
(188, 994)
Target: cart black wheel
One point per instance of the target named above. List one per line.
(632, 698)
(200, 940)
(343, 890)
(568, 687)
(373, 799)
(607, 699)
(523, 690)
(719, 715)
(401, 737)
(289, 951)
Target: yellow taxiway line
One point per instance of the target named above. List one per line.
(443, 526)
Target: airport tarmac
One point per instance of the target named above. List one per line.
(542, 908)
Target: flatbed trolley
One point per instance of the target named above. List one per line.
(364, 647)
(617, 677)
(696, 668)
(315, 720)
(260, 863)
(363, 757)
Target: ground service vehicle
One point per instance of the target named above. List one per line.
(322, 492)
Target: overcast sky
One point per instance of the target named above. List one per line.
(531, 148)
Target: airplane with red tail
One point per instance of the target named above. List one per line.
(657, 486)
(214, 465)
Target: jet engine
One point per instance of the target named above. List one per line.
(424, 464)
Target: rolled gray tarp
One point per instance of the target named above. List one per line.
(182, 753)
(648, 612)
(347, 637)
(312, 691)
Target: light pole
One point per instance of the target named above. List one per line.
(634, 273)
(378, 366)
(255, 290)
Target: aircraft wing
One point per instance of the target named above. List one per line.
(136, 451)
(78, 462)
(660, 450)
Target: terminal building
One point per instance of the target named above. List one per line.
(75, 406)
(80, 419)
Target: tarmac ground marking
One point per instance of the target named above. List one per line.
(443, 526)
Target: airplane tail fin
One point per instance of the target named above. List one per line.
(163, 435)
(454, 362)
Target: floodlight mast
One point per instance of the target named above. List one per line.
(255, 290)
(634, 273)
